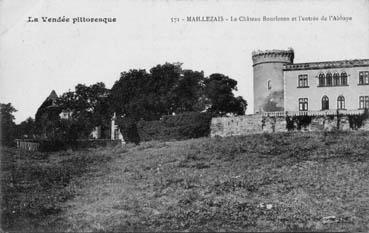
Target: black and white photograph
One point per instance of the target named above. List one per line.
(184, 116)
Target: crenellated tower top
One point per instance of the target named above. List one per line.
(273, 56)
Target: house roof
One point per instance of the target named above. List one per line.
(53, 95)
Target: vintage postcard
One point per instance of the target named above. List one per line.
(183, 115)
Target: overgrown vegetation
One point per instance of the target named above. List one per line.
(269, 182)
(178, 127)
(298, 122)
(356, 121)
(35, 185)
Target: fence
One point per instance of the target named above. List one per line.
(27, 145)
(314, 113)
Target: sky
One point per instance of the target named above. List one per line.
(36, 58)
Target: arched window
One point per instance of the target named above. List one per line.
(336, 79)
(343, 78)
(325, 103)
(341, 102)
(321, 80)
(329, 79)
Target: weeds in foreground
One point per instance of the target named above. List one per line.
(35, 184)
(266, 182)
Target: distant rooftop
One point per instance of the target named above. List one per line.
(326, 64)
(53, 95)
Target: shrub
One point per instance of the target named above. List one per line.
(128, 127)
(179, 127)
(301, 122)
(53, 145)
(290, 123)
(356, 121)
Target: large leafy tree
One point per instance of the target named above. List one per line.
(141, 95)
(87, 106)
(169, 89)
(130, 95)
(7, 125)
(219, 91)
(187, 94)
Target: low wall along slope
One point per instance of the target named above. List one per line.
(258, 123)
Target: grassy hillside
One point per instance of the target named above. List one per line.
(267, 182)
(34, 185)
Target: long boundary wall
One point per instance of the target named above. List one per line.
(258, 123)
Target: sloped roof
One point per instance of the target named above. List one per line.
(53, 95)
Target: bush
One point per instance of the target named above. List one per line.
(290, 123)
(128, 127)
(53, 145)
(179, 127)
(297, 122)
(356, 121)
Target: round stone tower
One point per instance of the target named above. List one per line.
(268, 79)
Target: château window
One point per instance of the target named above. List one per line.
(303, 80)
(336, 79)
(269, 84)
(321, 80)
(341, 102)
(303, 104)
(343, 78)
(364, 78)
(364, 102)
(325, 103)
(329, 79)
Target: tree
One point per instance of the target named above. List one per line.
(141, 95)
(7, 127)
(169, 89)
(88, 107)
(188, 92)
(219, 91)
(27, 128)
(128, 95)
(162, 85)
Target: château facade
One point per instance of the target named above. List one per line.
(281, 85)
(327, 85)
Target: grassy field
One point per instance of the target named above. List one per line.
(266, 182)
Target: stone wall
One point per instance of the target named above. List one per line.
(254, 124)
(241, 125)
(274, 124)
